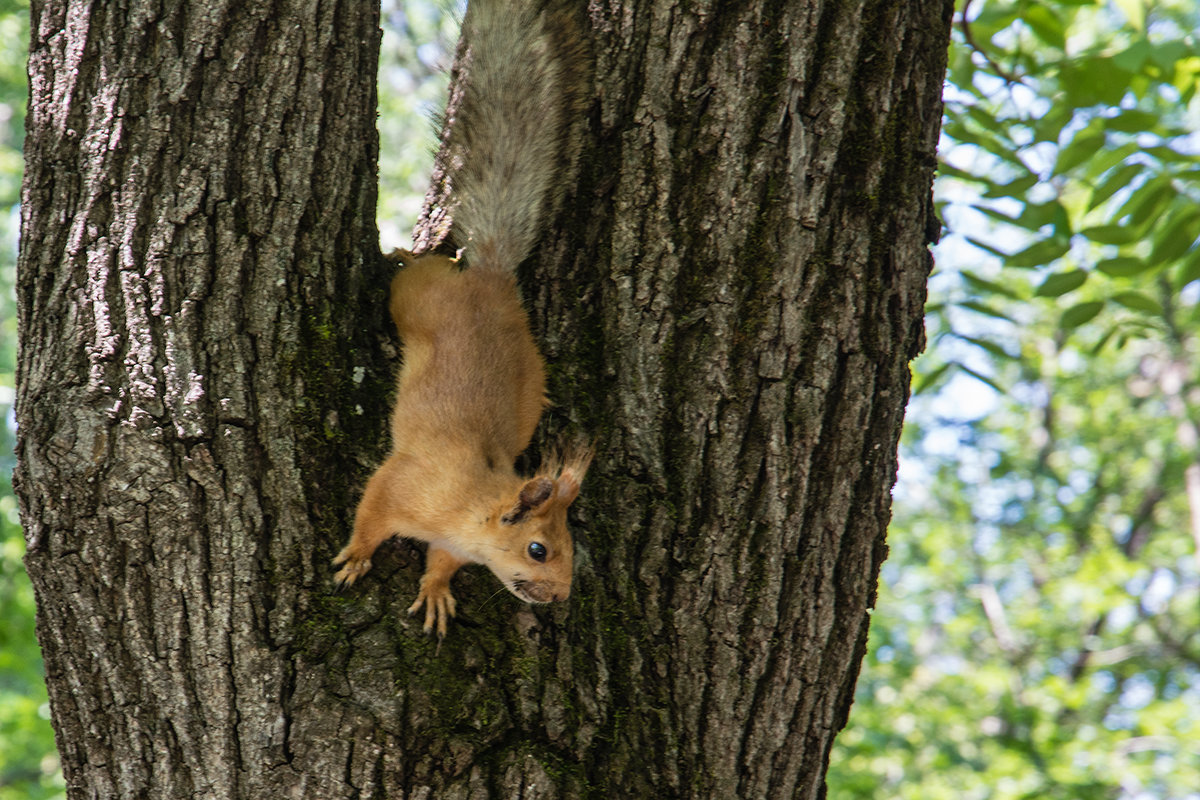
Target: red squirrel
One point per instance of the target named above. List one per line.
(471, 388)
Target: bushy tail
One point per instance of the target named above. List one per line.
(522, 81)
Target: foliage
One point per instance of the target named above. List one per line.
(1036, 632)
(28, 761)
(418, 46)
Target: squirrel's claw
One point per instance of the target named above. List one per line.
(352, 569)
(439, 606)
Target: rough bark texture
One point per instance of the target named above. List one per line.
(194, 280)
(728, 302)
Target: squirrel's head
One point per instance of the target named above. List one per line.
(539, 556)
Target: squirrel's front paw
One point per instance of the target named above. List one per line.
(353, 567)
(439, 605)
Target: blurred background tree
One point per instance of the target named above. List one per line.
(28, 761)
(1037, 633)
(1038, 627)
(418, 45)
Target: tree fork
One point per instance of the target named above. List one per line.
(728, 301)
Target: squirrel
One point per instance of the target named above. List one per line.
(471, 388)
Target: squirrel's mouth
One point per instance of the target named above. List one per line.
(539, 591)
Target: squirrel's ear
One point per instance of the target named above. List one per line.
(404, 258)
(573, 470)
(534, 498)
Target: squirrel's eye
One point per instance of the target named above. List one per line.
(537, 551)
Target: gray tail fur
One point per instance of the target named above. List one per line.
(508, 159)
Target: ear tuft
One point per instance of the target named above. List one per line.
(575, 466)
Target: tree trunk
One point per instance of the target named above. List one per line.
(728, 302)
(200, 292)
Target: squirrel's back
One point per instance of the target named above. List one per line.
(472, 371)
(509, 156)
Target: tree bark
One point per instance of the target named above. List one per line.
(728, 302)
(199, 296)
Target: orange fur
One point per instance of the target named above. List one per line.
(468, 398)
(472, 387)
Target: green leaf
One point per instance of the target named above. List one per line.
(988, 345)
(1077, 315)
(980, 284)
(1060, 283)
(1177, 237)
(994, 17)
(1147, 200)
(1187, 175)
(1035, 215)
(961, 68)
(984, 308)
(979, 376)
(945, 170)
(1122, 267)
(1094, 81)
(1005, 151)
(1110, 234)
(927, 380)
(1039, 253)
(1045, 25)
(1109, 157)
(1133, 121)
(1167, 54)
(987, 248)
(1078, 151)
(1117, 180)
(1000, 216)
(1015, 189)
(1048, 126)
(1137, 301)
(1168, 154)
(1189, 270)
(984, 116)
(1104, 340)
